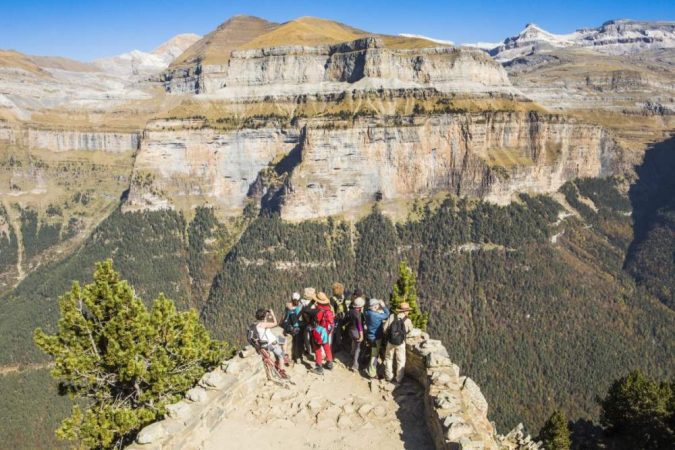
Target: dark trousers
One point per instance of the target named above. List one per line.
(297, 346)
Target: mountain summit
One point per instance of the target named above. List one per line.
(614, 37)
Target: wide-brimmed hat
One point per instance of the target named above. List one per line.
(359, 302)
(338, 289)
(322, 298)
(309, 293)
(403, 307)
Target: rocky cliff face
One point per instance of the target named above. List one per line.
(62, 140)
(321, 167)
(487, 155)
(293, 70)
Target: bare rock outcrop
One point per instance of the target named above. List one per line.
(331, 168)
(294, 70)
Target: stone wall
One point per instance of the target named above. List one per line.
(456, 411)
(189, 421)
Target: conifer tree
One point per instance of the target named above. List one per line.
(555, 434)
(405, 290)
(639, 412)
(125, 361)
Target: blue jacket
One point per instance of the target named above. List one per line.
(375, 323)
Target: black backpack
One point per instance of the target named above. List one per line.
(397, 332)
(252, 336)
(291, 323)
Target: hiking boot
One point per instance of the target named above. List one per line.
(318, 370)
(329, 365)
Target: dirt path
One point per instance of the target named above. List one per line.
(339, 410)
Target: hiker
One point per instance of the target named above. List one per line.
(266, 321)
(323, 321)
(308, 302)
(396, 329)
(337, 303)
(375, 316)
(354, 323)
(292, 326)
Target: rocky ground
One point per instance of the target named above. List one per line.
(312, 413)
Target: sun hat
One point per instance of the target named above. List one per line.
(295, 296)
(322, 298)
(338, 289)
(359, 302)
(309, 293)
(403, 307)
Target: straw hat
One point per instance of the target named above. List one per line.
(309, 293)
(403, 307)
(359, 302)
(322, 298)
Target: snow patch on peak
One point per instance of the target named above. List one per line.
(614, 37)
(419, 36)
(140, 63)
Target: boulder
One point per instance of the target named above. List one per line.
(151, 434)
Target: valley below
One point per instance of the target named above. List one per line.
(530, 191)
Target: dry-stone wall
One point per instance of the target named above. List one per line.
(189, 421)
(456, 411)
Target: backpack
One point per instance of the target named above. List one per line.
(326, 318)
(291, 324)
(397, 332)
(252, 336)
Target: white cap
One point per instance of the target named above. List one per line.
(296, 296)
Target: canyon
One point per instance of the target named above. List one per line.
(325, 126)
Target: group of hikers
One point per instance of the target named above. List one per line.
(317, 327)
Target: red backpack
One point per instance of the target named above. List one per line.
(325, 318)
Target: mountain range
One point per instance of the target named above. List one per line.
(529, 185)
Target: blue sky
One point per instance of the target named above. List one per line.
(89, 29)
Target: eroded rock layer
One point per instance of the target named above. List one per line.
(326, 167)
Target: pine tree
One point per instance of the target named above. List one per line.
(405, 290)
(638, 412)
(124, 361)
(555, 434)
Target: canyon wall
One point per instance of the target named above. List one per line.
(68, 140)
(330, 167)
(293, 70)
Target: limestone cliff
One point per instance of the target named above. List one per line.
(298, 69)
(322, 167)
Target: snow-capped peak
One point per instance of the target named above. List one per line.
(137, 62)
(614, 37)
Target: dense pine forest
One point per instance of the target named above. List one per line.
(543, 305)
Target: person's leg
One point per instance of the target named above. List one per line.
(318, 355)
(374, 354)
(356, 352)
(389, 362)
(297, 346)
(328, 352)
(400, 362)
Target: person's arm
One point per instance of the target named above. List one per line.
(270, 324)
